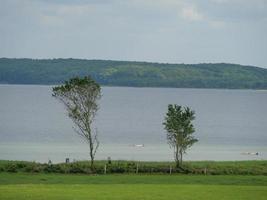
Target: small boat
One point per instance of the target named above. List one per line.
(137, 145)
(250, 153)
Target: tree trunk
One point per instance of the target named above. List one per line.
(92, 164)
(91, 155)
(181, 158)
(91, 146)
(177, 160)
(177, 163)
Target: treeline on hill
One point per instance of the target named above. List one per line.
(102, 167)
(136, 74)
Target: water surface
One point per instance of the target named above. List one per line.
(34, 126)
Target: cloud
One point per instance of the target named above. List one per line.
(192, 14)
(234, 10)
(64, 14)
(156, 30)
(217, 24)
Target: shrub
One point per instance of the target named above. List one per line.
(34, 168)
(11, 168)
(81, 168)
(76, 170)
(21, 165)
(212, 168)
(52, 169)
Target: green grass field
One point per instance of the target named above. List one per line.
(57, 186)
(128, 191)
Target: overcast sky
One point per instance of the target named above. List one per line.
(173, 31)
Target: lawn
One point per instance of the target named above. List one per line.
(131, 191)
(58, 186)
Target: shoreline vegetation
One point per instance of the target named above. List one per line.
(133, 74)
(253, 167)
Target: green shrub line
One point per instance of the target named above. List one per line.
(130, 167)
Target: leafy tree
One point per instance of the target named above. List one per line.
(80, 96)
(179, 127)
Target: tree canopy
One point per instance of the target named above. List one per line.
(80, 97)
(179, 127)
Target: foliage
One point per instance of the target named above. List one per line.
(129, 167)
(179, 127)
(138, 74)
(33, 167)
(80, 96)
(11, 168)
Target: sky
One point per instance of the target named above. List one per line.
(168, 31)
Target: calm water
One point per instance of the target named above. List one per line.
(34, 126)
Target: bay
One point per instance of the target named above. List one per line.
(34, 126)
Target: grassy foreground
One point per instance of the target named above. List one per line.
(131, 192)
(66, 179)
(20, 180)
(59, 186)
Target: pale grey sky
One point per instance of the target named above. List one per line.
(173, 31)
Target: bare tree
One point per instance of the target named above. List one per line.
(80, 97)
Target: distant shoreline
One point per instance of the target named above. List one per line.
(136, 87)
(133, 74)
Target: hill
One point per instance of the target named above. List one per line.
(136, 74)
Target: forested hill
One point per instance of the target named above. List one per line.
(137, 74)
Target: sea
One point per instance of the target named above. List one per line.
(229, 124)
